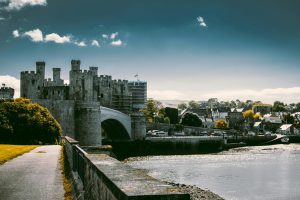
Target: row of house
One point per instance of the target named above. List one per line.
(268, 122)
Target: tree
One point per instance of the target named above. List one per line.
(154, 112)
(167, 120)
(256, 116)
(249, 117)
(278, 106)
(225, 104)
(240, 104)
(248, 114)
(182, 106)
(212, 102)
(172, 114)
(24, 122)
(297, 109)
(248, 102)
(151, 110)
(221, 124)
(191, 119)
(233, 104)
(193, 105)
(288, 119)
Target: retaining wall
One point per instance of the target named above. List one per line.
(188, 130)
(104, 177)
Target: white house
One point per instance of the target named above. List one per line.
(286, 129)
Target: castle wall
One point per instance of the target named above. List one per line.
(121, 97)
(87, 80)
(88, 123)
(79, 119)
(105, 90)
(138, 126)
(63, 112)
(6, 92)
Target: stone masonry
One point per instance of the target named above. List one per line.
(77, 105)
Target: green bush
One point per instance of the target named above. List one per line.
(24, 122)
(190, 119)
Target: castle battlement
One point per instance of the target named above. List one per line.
(84, 85)
(6, 92)
(105, 77)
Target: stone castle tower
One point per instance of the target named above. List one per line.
(77, 105)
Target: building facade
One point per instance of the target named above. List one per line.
(262, 108)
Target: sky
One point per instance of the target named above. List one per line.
(185, 49)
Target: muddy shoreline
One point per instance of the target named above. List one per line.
(195, 192)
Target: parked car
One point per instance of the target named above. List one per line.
(179, 134)
(152, 132)
(251, 133)
(161, 134)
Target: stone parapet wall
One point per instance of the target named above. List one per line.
(104, 177)
(188, 130)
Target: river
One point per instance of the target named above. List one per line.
(262, 172)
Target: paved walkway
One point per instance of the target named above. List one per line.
(33, 176)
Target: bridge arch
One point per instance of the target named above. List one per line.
(116, 125)
(114, 130)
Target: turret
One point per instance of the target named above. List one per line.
(94, 70)
(56, 74)
(75, 65)
(40, 69)
(56, 77)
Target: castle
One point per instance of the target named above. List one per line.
(6, 92)
(76, 105)
(84, 85)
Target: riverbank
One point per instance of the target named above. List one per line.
(196, 193)
(187, 145)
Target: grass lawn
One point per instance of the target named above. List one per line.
(8, 152)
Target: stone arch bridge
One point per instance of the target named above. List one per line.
(83, 120)
(115, 123)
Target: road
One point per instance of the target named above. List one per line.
(34, 176)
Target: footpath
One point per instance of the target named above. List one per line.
(35, 175)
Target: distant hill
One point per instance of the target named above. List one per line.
(172, 103)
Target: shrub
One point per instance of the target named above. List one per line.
(221, 124)
(191, 119)
(24, 122)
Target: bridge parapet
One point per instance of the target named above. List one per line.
(125, 120)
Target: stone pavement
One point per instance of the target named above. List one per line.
(34, 176)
